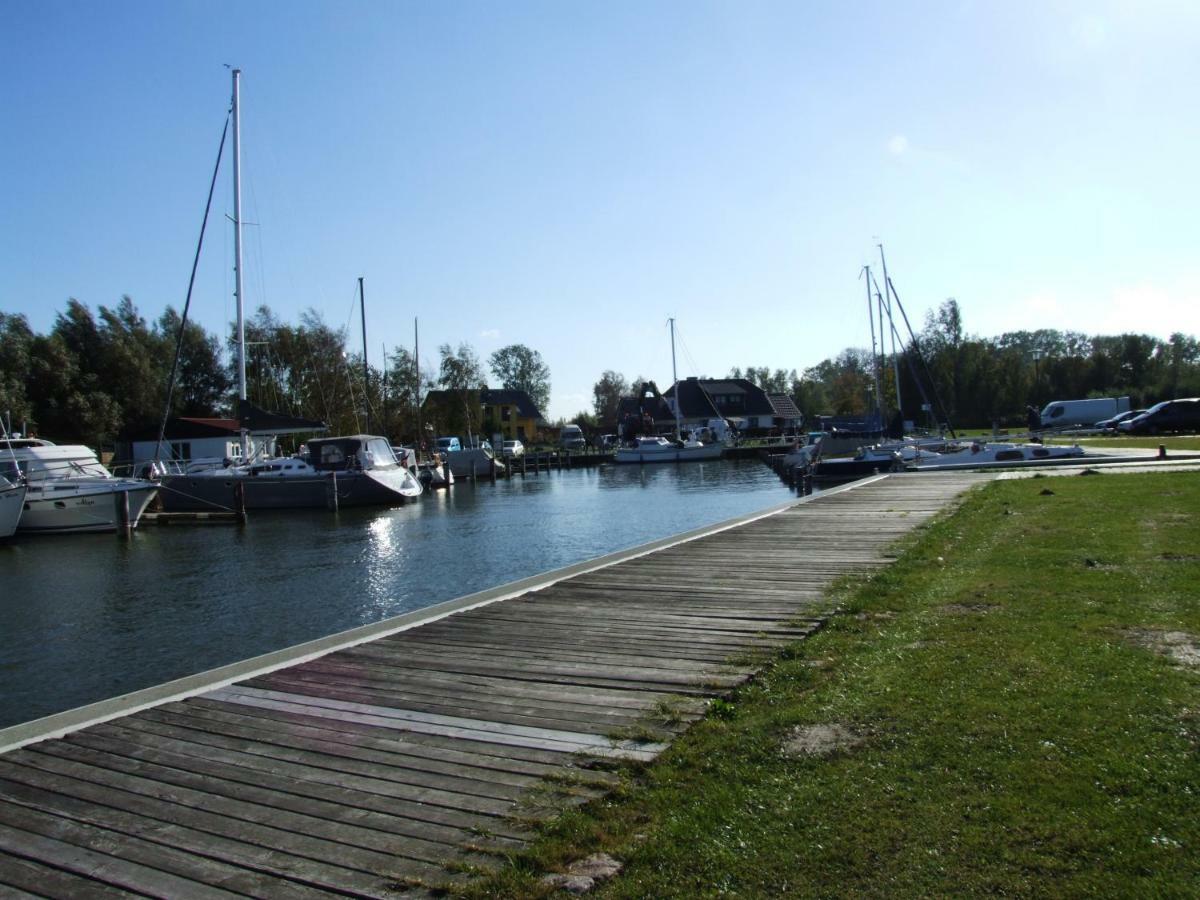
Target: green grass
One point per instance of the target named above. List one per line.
(1017, 738)
(1173, 442)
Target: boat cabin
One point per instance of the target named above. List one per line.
(341, 454)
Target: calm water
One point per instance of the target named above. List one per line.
(87, 617)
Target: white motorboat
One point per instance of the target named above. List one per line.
(435, 474)
(69, 490)
(355, 470)
(993, 455)
(12, 502)
(467, 463)
(660, 449)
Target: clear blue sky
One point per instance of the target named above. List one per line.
(568, 175)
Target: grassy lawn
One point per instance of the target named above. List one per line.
(1006, 715)
(1172, 442)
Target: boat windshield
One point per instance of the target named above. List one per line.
(334, 454)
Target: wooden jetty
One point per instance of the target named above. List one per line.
(394, 758)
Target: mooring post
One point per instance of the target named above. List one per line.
(1162, 451)
(123, 526)
(239, 500)
(473, 473)
(492, 469)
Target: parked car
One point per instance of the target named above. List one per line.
(609, 442)
(1170, 415)
(1111, 424)
(478, 443)
(571, 438)
(449, 444)
(512, 448)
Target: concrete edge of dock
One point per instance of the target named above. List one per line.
(59, 724)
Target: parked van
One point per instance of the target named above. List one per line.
(1082, 413)
(449, 444)
(572, 438)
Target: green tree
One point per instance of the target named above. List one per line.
(522, 369)
(201, 383)
(16, 361)
(462, 376)
(606, 396)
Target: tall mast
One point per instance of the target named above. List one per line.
(362, 306)
(874, 358)
(887, 290)
(417, 377)
(675, 380)
(237, 248)
(237, 233)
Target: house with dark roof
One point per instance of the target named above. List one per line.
(198, 437)
(742, 402)
(646, 412)
(511, 413)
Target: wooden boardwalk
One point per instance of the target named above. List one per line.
(385, 767)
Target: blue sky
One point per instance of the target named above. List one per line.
(568, 175)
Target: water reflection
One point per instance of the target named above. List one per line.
(89, 617)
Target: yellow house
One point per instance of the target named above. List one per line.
(511, 412)
(488, 411)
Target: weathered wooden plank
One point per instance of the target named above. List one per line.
(131, 806)
(88, 829)
(296, 795)
(20, 877)
(87, 852)
(449, 725)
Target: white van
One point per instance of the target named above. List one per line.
(1082, 413)
(571, 438)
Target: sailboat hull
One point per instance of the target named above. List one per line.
(668, 454)
(211, 493)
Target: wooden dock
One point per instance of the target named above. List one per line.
(399, 762)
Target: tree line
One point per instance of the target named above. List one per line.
(967, 380)
(96, 379)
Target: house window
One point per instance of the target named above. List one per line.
(181, 449)
(505, 413)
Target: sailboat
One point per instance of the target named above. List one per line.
(351, 470)
(656, 448)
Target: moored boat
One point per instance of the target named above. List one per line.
(69, 490)
(12, 502)
(994, 455)
(353, 470)
(652, 448)
(661, 449)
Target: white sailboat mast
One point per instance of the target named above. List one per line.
(237, 248)
(887, 292)
(675, 381)
(237, 234)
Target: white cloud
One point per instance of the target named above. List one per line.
(1152, 309)
(1090, 32)
(898, 145)
(1143, 308)
(490, 334)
